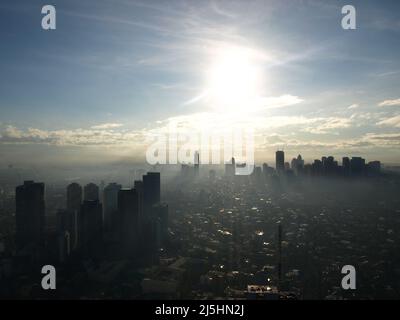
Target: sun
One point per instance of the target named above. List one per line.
(233, 79)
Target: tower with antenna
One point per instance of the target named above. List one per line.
(196, 163)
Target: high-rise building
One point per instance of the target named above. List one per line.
(74, 197)
(74, 202)
(330, 166)
(374, 167)
(293, 164)
(257, 175)
(297, 164)
(267, 170)
(63, 234)
(151, 189)
(357, 166)
(317, 168)
(91, 225)
(30, 214)
(91, 192)
(110, 203)
(346, 165)
(280, 161)
(300, 163)
(128, 212)
(138, 185)
(196, 163)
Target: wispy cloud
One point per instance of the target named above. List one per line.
(389, 103)
(367, 141)
(328, 125)
(281, 101)
(353, 106)
(389, 73)
(107, 126)
(76, 137)
(392, 122)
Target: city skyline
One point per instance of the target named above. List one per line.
(113, 73)
(193, 237)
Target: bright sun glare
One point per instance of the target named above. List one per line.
(234, 80)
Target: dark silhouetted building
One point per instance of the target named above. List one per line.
(196, 163)
(287, 166)
(280, 161)
(74, 202)
(330, 166)
(374, 167)
(297, 164)
(151, 189)
(30, 214)
(63, 234)
(91, 192)
(74, 197)
(128, 212)
(346, 166)
(91, 226)
(357, 166)
(138, 185)
(267, 170)
(317, 168)
(110, 203)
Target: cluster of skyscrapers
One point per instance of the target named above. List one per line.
(327, 166)
(134, 218)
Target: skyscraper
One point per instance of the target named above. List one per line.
(74, 202)
(300, 163)
(138, 185)
(91, 225)
(128, 212)
(151, 189)
(91, 192)
(74, 197)
(357, 166)
(110, 203)
(293, 164)
(196, 163)
(374, 167)
(346, 165)
(63, 234)
(280, 161)
(30, 214)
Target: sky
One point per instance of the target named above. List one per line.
(114, 72)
